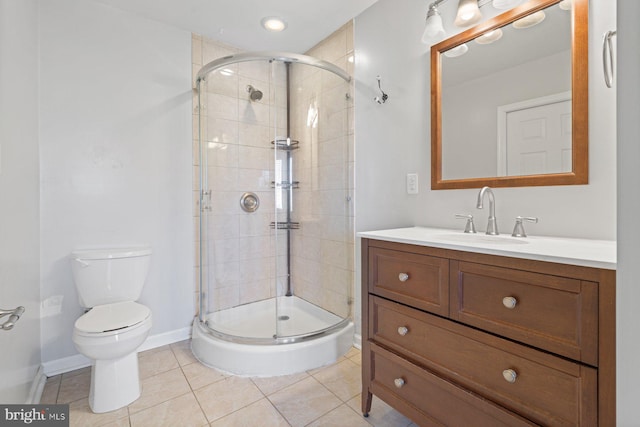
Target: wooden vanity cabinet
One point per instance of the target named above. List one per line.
(458, 339)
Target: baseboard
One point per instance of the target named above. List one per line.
(65, 364)
(37, 386)
(77, 361)
(357, 341)
(158, 340)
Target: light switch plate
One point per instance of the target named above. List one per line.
(412, 183)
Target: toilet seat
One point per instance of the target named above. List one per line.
(112, 318)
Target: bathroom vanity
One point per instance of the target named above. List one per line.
(475, 330)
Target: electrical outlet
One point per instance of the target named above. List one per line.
(412, 183)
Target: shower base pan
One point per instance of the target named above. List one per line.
(243, 342)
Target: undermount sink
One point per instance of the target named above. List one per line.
(483, 238)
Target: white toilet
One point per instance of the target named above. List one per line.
(109, 281)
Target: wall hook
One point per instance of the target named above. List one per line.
(384, 97)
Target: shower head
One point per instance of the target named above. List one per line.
(254, 94)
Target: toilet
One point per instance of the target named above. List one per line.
(109, 281)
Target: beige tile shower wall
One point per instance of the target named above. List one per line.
(323, 248)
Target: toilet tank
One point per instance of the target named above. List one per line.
(104, 276)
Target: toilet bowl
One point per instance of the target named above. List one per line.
(111, 344)
(111, 331)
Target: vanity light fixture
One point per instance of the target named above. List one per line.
(433, 29)
(273, 24)
(457, 51)
(490, 37)
(529, 20)
(468, 13)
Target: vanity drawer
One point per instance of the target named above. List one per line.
(554, 313)
(430, 400)
(418, 280)
(546, 389)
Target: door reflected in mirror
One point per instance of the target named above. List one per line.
(504, 112)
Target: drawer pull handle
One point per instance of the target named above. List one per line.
(509, 302)
(403, 277)
(510, 375)
(399, 382)
(403, 330)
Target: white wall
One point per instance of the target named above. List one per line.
(19, 214)
(628, 291)
(393, 139)
(115, 156)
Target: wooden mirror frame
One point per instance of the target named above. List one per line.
(579, 103)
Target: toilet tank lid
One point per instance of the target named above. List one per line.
(110, 253)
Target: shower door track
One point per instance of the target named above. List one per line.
(274, 340)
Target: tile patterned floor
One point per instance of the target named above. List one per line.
(178, 391)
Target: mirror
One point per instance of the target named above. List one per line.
(509, 100)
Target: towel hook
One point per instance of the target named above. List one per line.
(384, 97)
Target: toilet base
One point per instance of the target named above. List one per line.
(115, 383)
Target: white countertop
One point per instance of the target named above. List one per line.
(583, 252)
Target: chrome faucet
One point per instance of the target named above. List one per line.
(492, 225)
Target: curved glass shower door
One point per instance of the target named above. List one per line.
(276, 234)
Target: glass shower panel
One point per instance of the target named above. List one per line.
(236, 174)
(315, 167)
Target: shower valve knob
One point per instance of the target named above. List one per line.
(403, 277)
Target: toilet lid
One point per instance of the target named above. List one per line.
(111, 317)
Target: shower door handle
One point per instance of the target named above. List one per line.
(14, 316)
(607, 58)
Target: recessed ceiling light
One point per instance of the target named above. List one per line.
(273, 23)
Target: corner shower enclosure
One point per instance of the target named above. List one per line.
(276, 214)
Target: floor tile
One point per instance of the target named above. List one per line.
(153, 363)
(352, 352)
(80, 415)
(170, 373)
(200, 376)
(74, 387)
(77, 372)
(160, 388)
(50, 391)
(381, 414)
(304, 401)
(261, 410)
(272, 384)
(227, 396)
(341, 416)
(122, 422)
(182, 351)
(183, 411)
(343, 379)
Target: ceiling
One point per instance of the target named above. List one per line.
(237, 22)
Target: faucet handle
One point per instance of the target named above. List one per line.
(469, 226)
(518, 229)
